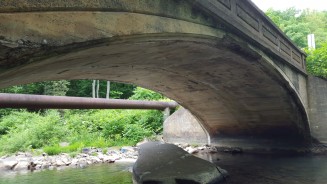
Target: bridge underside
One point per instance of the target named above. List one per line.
(233, 93)
(233, 88)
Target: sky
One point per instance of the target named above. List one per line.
(298, 4)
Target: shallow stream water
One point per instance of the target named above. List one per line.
(271, 169)
(243, 168)
(115, 173)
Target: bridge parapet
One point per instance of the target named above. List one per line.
(245, 17)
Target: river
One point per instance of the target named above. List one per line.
(272, 169)
(116, 173)
(243, 168)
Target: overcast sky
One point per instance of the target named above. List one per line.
(284, 4)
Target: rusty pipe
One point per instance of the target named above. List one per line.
(63, 102)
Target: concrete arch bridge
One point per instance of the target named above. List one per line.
(224, 60)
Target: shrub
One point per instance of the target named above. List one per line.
(135, 133)
(317, 61)
(52, 150)
(145, 94)
(31, 130)
(24, 130)
(14, 118)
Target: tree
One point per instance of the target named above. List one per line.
(108, 90)
(291, 22)
(317, 24)
(145, 94)
(82, 88)
(56, 88)
(98, 88)
(317, 61)
(297, 25)
(93, 88)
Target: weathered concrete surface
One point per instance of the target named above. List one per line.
(190, 51)
(183, 127)
(318, 108)
(168, 164)
(232, 93)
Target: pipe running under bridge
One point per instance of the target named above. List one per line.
(63, 102)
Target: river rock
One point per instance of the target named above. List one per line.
(86, 150)
(74, 162)
(31, 166)
(22, 165)
(127, 149)
(95, 159)
(168, 163)
(9, 164)
(59, 163)
(191, 150)
(110, 159)
(45, 166)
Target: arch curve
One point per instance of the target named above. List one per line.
(230, 87)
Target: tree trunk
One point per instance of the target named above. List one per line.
(93, 88)
(108, 90)
(98, 88)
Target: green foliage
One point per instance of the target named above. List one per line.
(135, 133)
(81, 88)
(291, 22)
(297, 25)
(31, 130)
(56, 88)
(317, 61)
(10, 120)
(56, 149)
(73, 154)
(52, 150)
(5, 112)
(116, 125)
(23, 130)
(145, 94)
(34, 88)
(104, 150)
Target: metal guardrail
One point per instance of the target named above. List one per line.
(61, 102)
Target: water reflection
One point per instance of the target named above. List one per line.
(261, 169)
(96, 174)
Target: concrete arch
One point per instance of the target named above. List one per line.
(225, 85)
(231, 85)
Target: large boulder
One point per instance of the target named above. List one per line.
(167, 163)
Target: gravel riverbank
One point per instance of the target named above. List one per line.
(26, 162)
